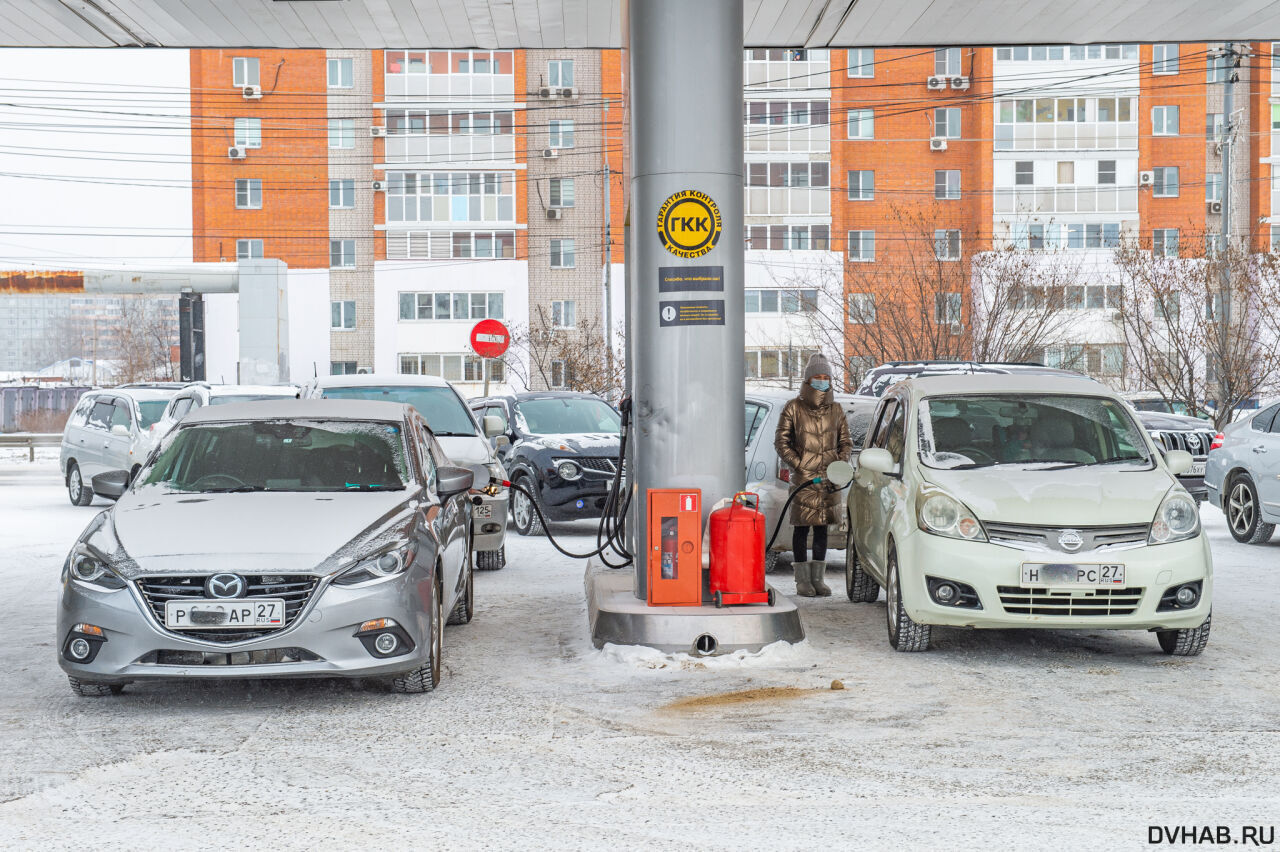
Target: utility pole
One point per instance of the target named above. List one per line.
(1224, 249)
(608, 269)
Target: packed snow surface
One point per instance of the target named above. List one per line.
(992, 740)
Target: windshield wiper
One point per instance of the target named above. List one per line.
(235, 489)
(453, 434)
(351, 486)
(1124, 460)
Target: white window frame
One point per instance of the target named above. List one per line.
(862, 62)
(862, 308)
(1164, 242)
(1165, 58)
(342, 131)
(948, 61)
(564, 313)
(560, 192)
(346, 315)
(1160, 186)
(480, 304)
(339, 65)
(1018, 171)
(1111, 171)
(559, 378)
(943, 120)
(865, 244)
(345, 254)
(248, 132)
(248, 193)
(866, 184)
(562, 249)
(556, 75)
(244, 71)
(948, 308)
(945, 184)
(344, 189)
(863, 119)
(1213, 186)
(248, 249)
(1164, 121)
(942, 237)
(560, 133)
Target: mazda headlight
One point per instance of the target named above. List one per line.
(1176, 520)
(381, 566)
(85, 566)
(941, 514)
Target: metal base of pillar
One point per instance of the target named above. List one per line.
(617, 616)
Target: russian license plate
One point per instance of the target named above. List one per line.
(484, 510)
(1057, 574)
(1197, 469)
(223, 615)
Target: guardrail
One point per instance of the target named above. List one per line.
(31, 441)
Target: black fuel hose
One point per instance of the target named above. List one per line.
(817, 480)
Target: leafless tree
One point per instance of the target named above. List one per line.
(137, 337)
(543, 355)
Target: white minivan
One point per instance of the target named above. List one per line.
(109, 432)
(1005, 501)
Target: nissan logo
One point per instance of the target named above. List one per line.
(1070, 540)
(225, 586)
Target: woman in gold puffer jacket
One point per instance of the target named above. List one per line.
(812, 433)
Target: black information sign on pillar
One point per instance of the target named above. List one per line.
(191, 367)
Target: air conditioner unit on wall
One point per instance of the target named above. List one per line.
(379, 185)
(568, 92)
(554, 213)
(960, 83)
(550, 153)
(1146, 178)
(376, 130)
(251, 92)
(938, 143)
(235, 153)
(1214, 206)
(546, 92)
(936, 83)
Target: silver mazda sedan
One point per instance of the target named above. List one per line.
(300, 538)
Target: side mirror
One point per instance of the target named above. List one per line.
(492, 426)
(840, 473)
(120, 430)
(453, 480)
(111, 484)
(501, 441)
(876, 459)
(1178, 461)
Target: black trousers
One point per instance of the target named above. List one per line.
(800, 538)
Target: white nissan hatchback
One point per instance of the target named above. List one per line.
(999, 501)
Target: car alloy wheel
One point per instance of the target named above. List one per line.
(1241, 509)
(76, 491)
(891, 594)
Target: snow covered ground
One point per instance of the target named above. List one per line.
(1033, 740)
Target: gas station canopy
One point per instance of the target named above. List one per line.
(371, 24)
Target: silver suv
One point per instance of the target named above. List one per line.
(108, 432)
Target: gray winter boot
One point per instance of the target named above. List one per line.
(804, 588)
(817, 572)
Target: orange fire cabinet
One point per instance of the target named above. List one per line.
(675, 547)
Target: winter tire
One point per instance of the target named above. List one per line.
(491, 560)
(1244, 513)
(858, 584)
(80, 494)
(466, 605)
(523, 511)
(426, 677)
(91, 689)
(904, 633)
(1187, 642)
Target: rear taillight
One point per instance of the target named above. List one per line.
(1217, 442)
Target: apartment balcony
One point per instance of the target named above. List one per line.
(1061, 136)
(788, 201)
(443, 149)
(1035, 200)
(805, 139)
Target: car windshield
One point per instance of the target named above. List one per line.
(568, 416)
(1028, 431)
(288, 455)
(150, 411)
(439, 406)
(246, 397)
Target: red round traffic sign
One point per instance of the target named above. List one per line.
(490, 339)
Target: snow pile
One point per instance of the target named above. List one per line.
(22, 455)
(779, 654)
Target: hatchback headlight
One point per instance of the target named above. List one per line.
(389, 563)
(1176, 520)
(941, 514)
(86, 567)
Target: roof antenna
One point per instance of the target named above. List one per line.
(315, 371)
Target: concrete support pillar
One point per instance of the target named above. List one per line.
(685, 265)
(264, 322)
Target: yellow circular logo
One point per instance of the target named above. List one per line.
(689, 223)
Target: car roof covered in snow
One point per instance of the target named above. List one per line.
(380, 380)
(300, 409)
(985, 383)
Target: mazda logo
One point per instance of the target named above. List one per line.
(1070, 540)
(225, 586)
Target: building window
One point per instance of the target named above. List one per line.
(862, 245)
(946, 184)
(1103, 235)
(484, 62)
(1275, 239)
(1164, 121)
(946, 308)
(1217, 69)
(1107, 172)
(342, 254)
(564, 313)
(451, 306)
(1212, 245)
(342, 315)
(248, 249)
(1164, 242)
(342, 133)
(1166, 185)
(862, 185)
(560, 73)
(862, 124)
(244, 71)
(1093, 297)
(1066, 172)
(562, 254)
(760, 301)
(862, 62)
(796, 175)
(560, 133)
(1166, 59)
(1213, 186)
(862, 308)
(340, 73)
(946, 244)
(1168, 306)
(787, 113)
(451, 197)
(248, 193)
(342, 193)
(946, 61)
(562, 192)
(776, 363)
(248, 132)
(946, 122)
(1024, 172)
(788, 237)
(559, 374)
(443, 122)
(342, 368)
(1075, 52)
(452, 367)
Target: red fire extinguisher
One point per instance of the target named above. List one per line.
(737, 553)
(670, 548)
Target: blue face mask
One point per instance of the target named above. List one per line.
(820, 384)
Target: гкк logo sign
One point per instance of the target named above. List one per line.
(689, 223)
